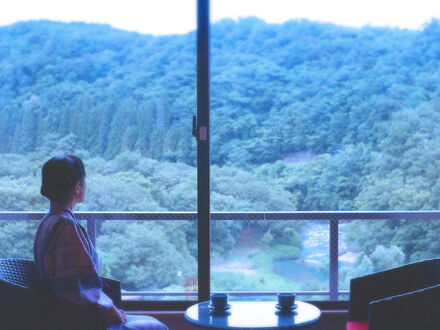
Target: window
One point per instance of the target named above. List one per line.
(114, 83)
(319, 117)
(321, 106)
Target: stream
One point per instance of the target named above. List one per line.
(314, 251)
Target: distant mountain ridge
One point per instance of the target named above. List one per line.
(275, 89)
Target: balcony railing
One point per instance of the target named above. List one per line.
(334, 219)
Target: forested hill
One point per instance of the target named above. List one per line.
(276, 89)
(305, 116)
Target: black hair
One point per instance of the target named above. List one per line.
(59, 175)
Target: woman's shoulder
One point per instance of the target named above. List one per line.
(53, 219)
(53, 227)
(54, 222)
(62, 230)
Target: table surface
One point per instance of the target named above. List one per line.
(252, 314)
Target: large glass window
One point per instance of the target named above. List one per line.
(113, 82)
(321, 106)
(315, 106)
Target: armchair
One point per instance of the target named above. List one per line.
(23, 306)
(402, 298)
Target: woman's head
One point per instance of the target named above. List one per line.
(63, 178)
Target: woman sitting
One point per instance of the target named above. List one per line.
(66, 260)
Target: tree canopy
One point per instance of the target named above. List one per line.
(304, 116)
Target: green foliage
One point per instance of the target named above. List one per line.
(267, 238)
(147, 255)
(364, 266)
(276, 89)
(21, 194)
(233, 281)
(283, 252)
(264, 259)
(17, 238)
(144, 256)
(385, 258)
(225, 235)
(305, 116)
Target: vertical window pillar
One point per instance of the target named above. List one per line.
(334, 263)
(203, 160)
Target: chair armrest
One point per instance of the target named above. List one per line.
(389, 283)
(112, 288)
(409, 311)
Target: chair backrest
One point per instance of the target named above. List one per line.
(409, 311)
(24, 306)
(388, 283)
(19, 272)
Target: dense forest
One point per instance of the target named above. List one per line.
(305, 116)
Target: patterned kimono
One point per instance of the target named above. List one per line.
(67, 265)
(66, 260)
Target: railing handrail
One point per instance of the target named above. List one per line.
(233, 293)
(263, 215)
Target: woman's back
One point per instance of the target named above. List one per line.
(66, 260)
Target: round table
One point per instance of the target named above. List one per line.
(252, 314)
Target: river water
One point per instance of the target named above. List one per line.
(313, 262)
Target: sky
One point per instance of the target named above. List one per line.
(179, 16)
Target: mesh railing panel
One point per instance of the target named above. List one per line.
(335, 218)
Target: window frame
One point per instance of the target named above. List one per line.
(201, 131)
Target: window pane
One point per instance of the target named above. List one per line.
(17, 238)
(377, 245)
(153, 257)
(324, 106)
(243, 260)
(113, 82)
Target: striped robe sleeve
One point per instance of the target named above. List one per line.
(75, 275)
